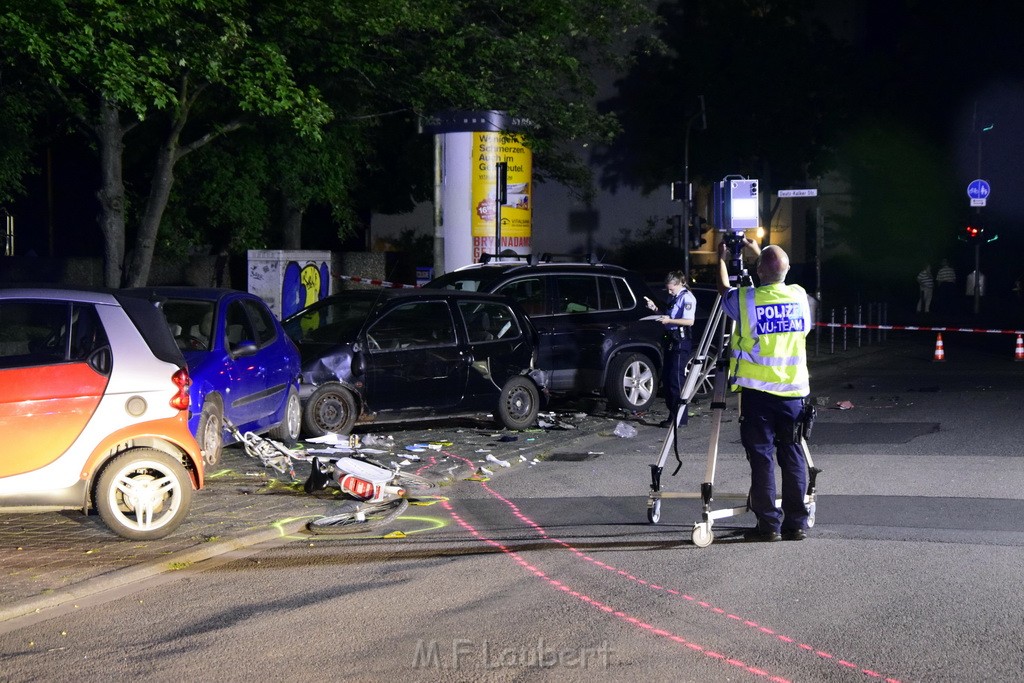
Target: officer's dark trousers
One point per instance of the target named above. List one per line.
(676, 357)
(766, 426)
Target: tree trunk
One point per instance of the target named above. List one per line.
(137, 274)
(291, 224)
(111, 194)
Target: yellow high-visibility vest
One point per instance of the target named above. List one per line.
(768, 350)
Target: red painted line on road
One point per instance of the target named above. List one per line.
(706, 605)
(623, 616)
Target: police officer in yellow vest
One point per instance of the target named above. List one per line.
(768, 365)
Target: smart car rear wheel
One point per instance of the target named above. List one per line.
(143, 494)
(210, 433)
(331, 408)
(632, 382)
(288, 430)
(519, 403)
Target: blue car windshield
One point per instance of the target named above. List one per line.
(191, 323)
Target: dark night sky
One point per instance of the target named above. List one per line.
(932, 63)
(944, 61)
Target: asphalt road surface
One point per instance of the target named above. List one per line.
(550, 570)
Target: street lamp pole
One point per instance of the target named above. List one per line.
(978, 130)
(687, 191)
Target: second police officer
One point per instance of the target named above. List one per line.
(678, 322)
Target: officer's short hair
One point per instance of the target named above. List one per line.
(775, 262)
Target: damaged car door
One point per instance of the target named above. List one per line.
(412, 360)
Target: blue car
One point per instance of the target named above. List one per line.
(244, 368)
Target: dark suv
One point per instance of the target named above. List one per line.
(595, 335)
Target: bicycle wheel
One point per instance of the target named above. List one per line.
(414, 483)
(359, 518)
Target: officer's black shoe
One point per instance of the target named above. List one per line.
(757, 535)
(794, 535)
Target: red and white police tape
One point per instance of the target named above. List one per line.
(375, 283)
(919, 328)
(849, 326)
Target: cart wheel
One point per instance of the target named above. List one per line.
(654, 511)
(702, 535)
(810, 514)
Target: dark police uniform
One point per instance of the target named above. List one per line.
(678, 350)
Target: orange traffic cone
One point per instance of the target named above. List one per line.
(1018, 353)
(940, 353)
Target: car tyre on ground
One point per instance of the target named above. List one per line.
(291, 427)
(331, 409)
(519, 403)
(210, 433)
(632, 382)
(143, 494)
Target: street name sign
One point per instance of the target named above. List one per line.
(798, 193)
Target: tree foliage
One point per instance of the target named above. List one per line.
(151, 82)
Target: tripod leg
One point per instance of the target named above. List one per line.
(811, 499)
(702, 364)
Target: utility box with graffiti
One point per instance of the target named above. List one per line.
(289, 280)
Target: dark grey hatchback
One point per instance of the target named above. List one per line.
(392, 355)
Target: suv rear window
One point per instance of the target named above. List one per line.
(572, 292)
(530, 292)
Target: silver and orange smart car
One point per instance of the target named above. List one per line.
(94, 410)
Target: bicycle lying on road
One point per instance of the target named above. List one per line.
(376, 494)
(379, 493)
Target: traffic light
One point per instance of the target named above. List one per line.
(698, 226)
(676, 223)
(975, 234)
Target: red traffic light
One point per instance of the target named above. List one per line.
(973, 232)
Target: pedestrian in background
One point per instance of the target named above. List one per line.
(678, 322)
(945, 287)
(971, 278)
(768, 366)
(926, 286)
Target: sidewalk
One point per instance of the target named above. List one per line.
(55, 558)
(51, 557)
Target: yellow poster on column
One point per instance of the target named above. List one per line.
(517, 213)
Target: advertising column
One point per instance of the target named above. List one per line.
(470, 144)
(516, 213)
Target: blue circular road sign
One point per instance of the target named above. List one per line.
(978, 189)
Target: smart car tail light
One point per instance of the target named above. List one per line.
(182, 381)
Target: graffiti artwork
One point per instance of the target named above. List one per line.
(302, 285)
